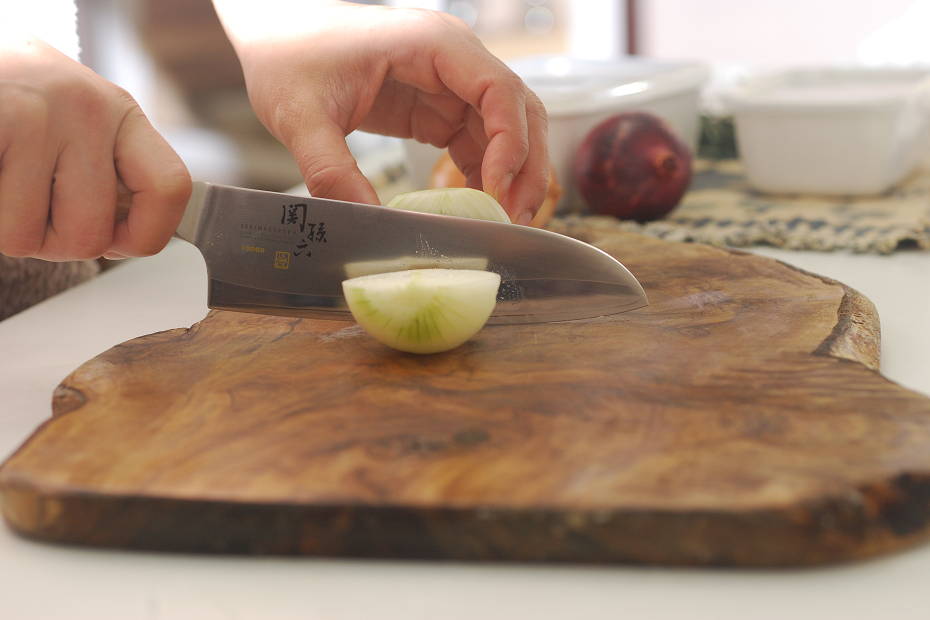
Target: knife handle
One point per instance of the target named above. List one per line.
(123, 200)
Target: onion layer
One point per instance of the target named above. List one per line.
(457, 201)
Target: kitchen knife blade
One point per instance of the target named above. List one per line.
(272, 253)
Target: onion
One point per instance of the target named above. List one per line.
(446, 174)
(370, 267)
(633, 166)
(460, 202)
(423, 310)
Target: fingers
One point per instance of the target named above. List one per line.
(504, 123)
(66, 211)
(160, 183)
(328, 167)
(467, 149)
(399, 72)
(65, 135)
(26, 171)
(426, 117)
(516, 161)
(53, 188)
(80, 223)
(520, 190)
(502, 147)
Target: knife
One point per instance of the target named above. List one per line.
(272, 253)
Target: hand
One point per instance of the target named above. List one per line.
(66, 134)
(317, 70)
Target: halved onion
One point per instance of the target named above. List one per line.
(457, 201)
(370, 267)
(446, 174)
(423, 310)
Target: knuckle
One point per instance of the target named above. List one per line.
(278, 109)
(87, 95)
(128, 106)
(126, 112)
(124, 98)
(472, 169)
(322, 183)
(542, 187)
(536, 110)
(24, 108)
(89, 102)
(173, 186)
(321, 173)
(325, 177)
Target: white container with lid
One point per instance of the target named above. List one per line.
(838, 131)
(579, 94)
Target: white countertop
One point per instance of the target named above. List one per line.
(43, 344)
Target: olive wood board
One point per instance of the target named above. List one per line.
(739, 419)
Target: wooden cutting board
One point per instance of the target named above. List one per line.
(738, 420)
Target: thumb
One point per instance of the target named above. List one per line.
(329, 169)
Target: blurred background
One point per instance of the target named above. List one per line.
(173, 56)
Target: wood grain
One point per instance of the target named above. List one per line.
(738, 420)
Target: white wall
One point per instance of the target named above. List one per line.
(761, 31)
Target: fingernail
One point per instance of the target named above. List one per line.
(503, 186)
(113, 256)
(525, 218)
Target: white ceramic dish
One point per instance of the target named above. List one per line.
(579, 94)
(845, 131)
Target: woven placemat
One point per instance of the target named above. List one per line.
(720, 209)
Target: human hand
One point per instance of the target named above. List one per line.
(66, 135)
(318, 70)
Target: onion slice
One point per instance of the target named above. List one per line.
(406, 263)
(457, 201)
(423, 310)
